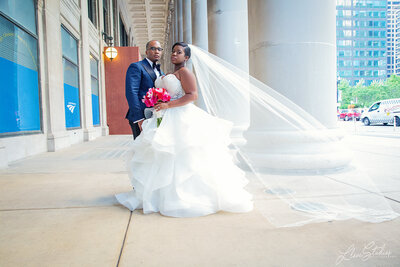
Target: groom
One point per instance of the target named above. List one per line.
(140, 76)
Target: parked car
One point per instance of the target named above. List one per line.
(349, 114)
(384, 111)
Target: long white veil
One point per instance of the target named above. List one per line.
(289, 188)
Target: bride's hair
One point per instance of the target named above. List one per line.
(185, 46)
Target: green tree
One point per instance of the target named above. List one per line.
(346, 93)
(392, 85)
(366, 95)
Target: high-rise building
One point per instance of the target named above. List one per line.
(393, 38)
(361, 40)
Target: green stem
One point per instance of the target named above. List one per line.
(159, 121)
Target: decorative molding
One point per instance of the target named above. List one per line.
(71, 12)
(95, 52)
(40, 4)
(67, 24)
(93, 36)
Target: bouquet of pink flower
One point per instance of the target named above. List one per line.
(153, 96)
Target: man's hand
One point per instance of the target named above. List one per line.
(140, 125)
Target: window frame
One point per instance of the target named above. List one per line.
(36, 37)
(98, 87)
(79, 85)
(123, 33)
(92, 10)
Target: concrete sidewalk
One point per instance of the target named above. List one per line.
(58, 209)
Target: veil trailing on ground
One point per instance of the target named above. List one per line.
(296, 168)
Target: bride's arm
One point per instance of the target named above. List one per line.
(188, 81)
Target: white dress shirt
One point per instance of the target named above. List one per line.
(158, 74)
(155, 69)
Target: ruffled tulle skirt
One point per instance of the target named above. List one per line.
(184, 168)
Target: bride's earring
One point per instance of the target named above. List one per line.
(184, 64)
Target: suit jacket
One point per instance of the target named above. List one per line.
(140, 76)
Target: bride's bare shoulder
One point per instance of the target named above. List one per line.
(185, 72)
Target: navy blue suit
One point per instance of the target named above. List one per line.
(140, 76)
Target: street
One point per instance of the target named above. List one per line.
(358, 128)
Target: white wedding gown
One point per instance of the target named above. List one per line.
(184, 168)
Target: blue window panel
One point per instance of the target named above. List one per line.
(19, 101)
(71, 80)
(19, 92)
(95, 91)
(95, 110)
(72, 110)
(95, 101)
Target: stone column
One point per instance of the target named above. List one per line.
(57, 136)
(187, 21)
(169, 40)
(175, 21)
(228, 31)
(179, 19)
(199, 24)
(228, 39)
(293, 50)
(187, 26)
(200, 34)
(102, 80)
(85, 78)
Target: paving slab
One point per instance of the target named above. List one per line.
(227, 239)
(62, 237)
(59, 190)
(105, 154)
(393, 195)
(58, 209)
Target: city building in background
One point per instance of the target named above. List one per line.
(393, 38)
(361, 31)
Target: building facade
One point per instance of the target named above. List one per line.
(51, 56)
(361, 40)
(393, 38)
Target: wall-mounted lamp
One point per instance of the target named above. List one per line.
(111, 53)
(108, 39)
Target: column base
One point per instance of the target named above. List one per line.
(311, 152)
(3, 156)
(56, 141)
(105, 131)
(89, 134)
(237, 135)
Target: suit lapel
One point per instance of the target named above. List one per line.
(149, 69)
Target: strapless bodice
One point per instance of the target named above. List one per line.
(172, 84)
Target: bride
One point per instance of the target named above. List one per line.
(183, 168)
